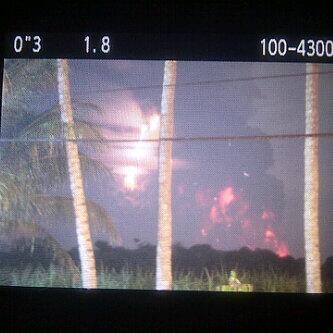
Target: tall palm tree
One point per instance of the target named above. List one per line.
(86, 251)
(29, 165)
(311, 182)
(164, 240)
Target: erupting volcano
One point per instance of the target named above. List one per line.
(229, 216)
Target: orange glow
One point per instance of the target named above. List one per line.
(267, 215)
(282, 250)
(229, 208)
(219, 211)
(226, 197)
(269, 233)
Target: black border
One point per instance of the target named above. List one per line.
(28, 309)
(137, 310)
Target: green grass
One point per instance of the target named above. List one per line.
(38, 277)
(125, 279)
(262, 281)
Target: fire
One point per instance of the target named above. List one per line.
(220, 212)
(280, 248)
(230, 213)
(226, 197)
(269, 234)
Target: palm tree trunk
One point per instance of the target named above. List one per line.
(311, 180)
(86, 252)
(164, 240)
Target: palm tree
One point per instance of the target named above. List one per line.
(33, 161)
(86, 250)
(164, 240)
(311, 182)
(29, 165)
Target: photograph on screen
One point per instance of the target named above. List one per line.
(166, 175)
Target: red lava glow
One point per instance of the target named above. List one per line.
(280, 248)
(228, 210)
(226, 197)
(269, 234)
(267, 215)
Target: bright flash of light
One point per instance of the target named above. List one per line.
(154, 123)
(142, 151)
(131, 177)
(149, 130)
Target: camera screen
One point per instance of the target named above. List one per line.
(166, 174)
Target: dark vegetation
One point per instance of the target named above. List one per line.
(199, 267)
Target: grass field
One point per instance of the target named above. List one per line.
(262, 281)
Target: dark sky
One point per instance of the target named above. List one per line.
(264, 175)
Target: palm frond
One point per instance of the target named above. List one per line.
(24, 80)
(24, 234)
(16, 198)
(99, 219)
(40, 159)
(28, 76)
(9, 190)
(50, 170)
(49, 125)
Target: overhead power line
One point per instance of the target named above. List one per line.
(206, 82)
(177, 139)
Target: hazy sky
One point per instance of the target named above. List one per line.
(226, 193)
